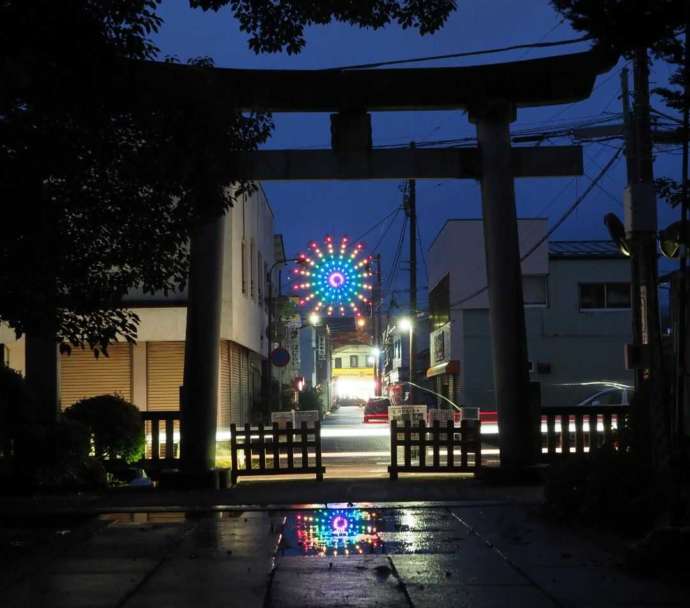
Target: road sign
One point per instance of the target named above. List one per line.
(280, 357)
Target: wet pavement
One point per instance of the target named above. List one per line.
(345, 555)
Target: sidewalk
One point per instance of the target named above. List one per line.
(475, 555)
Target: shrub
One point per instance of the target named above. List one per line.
(310, 399)
(17, 405)
(609, 488)
(116, 426)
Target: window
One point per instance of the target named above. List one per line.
(259, 269)
(534, 290)
(264, 280)
(338, 363)
(354, 361)
(252, 278)
(597, 296)
(243, 262)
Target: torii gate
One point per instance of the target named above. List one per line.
(491, 94)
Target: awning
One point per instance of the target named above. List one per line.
(448, 367)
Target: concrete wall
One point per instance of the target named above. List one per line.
(584, 349)
(458, 250)
(244, 316)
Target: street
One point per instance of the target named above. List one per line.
(352, 448)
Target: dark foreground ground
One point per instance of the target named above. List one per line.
(485, 548)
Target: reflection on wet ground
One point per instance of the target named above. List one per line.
(361, 531)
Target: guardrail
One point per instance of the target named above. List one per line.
(587, 428)
(162, 432)
(451, 449)
(270, 445)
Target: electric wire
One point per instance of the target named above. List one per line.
(385, 232)
(396, 258)
(515, 47)
(555, 227)
(377, 224)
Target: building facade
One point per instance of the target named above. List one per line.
(577, 315)
(352, 372)
(150, 372)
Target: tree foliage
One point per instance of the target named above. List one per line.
(279, 26)
(623, 26)
(103, 181)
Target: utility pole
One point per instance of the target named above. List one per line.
(641, 228)
(411, 211)
(681, 369)
(377, 326)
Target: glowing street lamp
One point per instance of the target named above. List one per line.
(361, 322)
(314, 319)
(405, 324)
(375, 352)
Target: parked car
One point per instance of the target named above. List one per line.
(610, 396)
(376, 410)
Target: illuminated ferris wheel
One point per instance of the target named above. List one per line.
(334, 279)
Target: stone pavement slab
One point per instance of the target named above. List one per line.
(337, 582)
(569, 568)
(470, 556)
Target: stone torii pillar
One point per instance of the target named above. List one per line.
(199, 395)
(518, 423)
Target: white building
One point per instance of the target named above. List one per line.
(577, 314)
(149, 373)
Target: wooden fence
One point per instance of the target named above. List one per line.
(576, 430)
(162, 431)
(262, 448)
(452, 449)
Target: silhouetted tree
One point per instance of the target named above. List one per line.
(103, 180)
(277, 26)
(100, 183)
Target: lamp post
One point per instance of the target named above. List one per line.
(269, 330)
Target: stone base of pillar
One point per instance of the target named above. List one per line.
(176, 479)
(530, 475)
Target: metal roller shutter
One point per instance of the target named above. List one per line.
(224, 413)
(83, 375)
(244, 383)
(164, 373)
(235, 398)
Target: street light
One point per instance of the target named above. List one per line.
(376, 352)
(405, 324)
(361, 322)
(314, 319)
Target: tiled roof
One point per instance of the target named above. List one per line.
(584, 249)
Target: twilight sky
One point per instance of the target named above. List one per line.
(309, 210)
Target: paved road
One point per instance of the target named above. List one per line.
(352, 448)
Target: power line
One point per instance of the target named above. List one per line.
(377, 224)
(421, 249)
(396, 257)
(516, 47)
(555, 227)
(385, 232)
